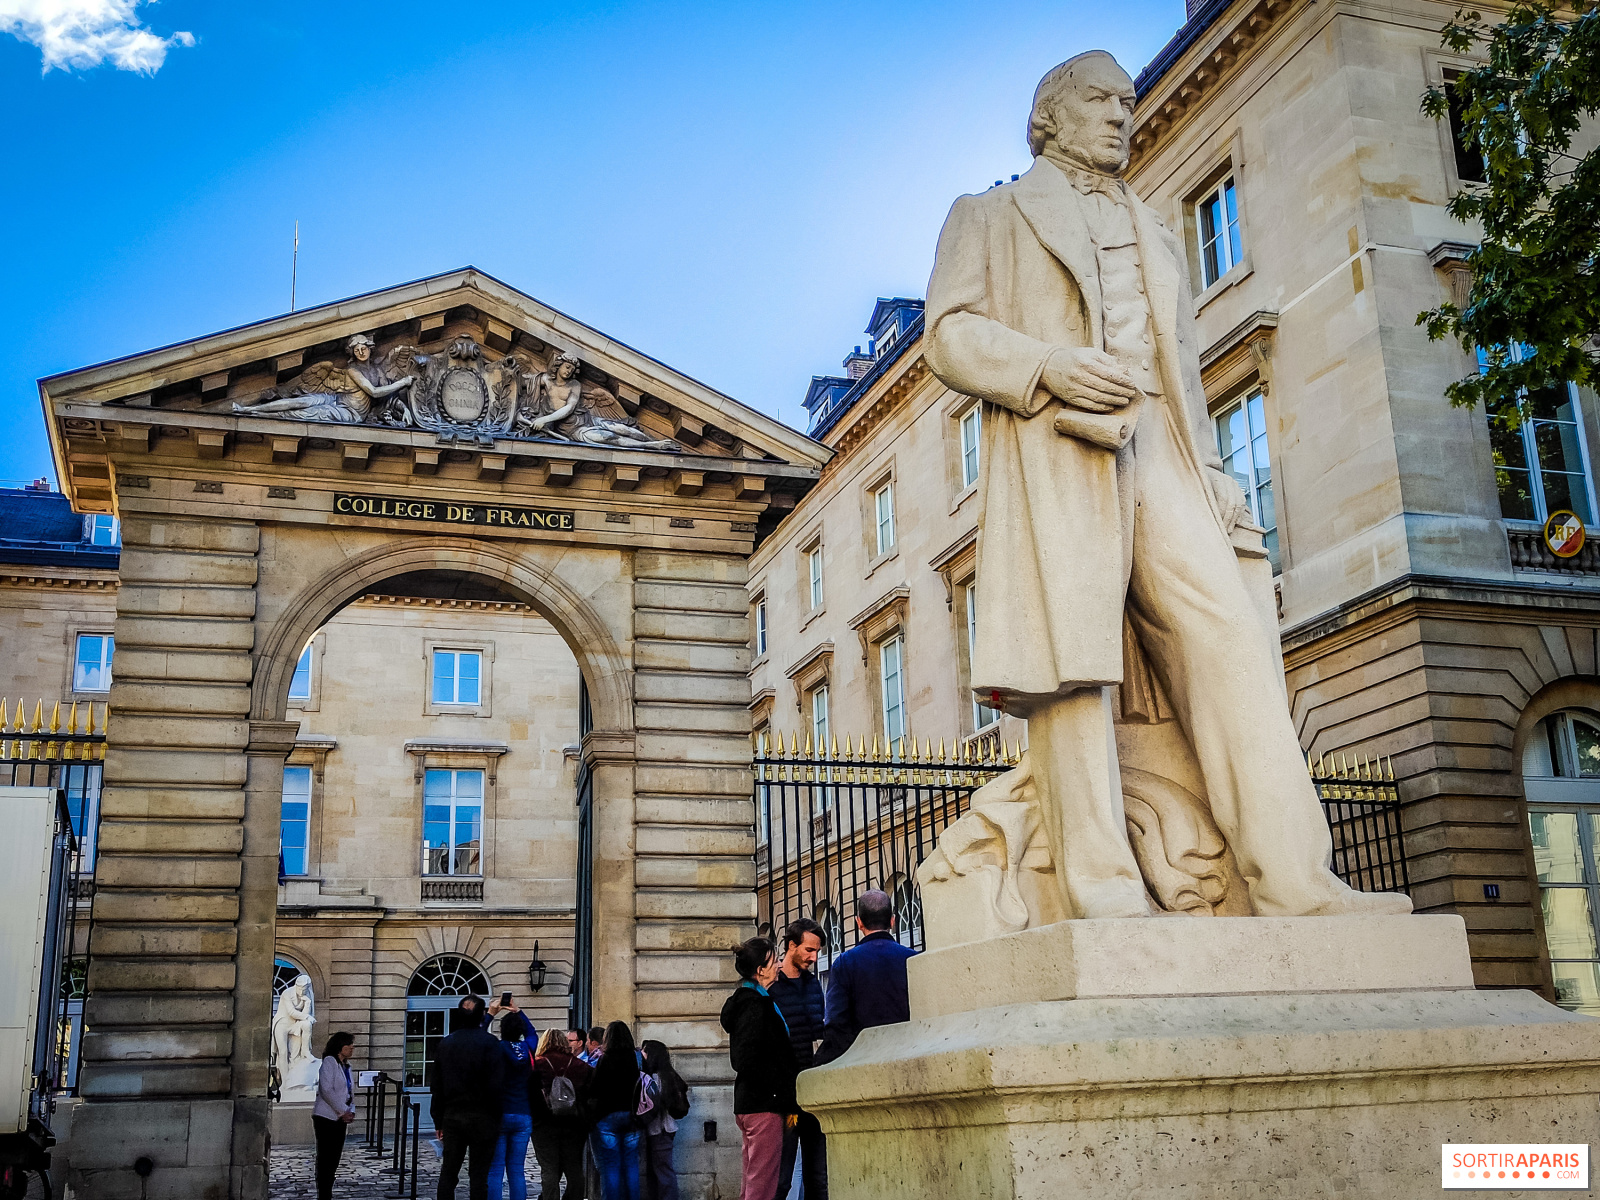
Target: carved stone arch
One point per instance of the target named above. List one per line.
(606, 669)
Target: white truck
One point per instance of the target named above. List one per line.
(36, 846)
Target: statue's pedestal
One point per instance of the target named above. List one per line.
(1113, 1059)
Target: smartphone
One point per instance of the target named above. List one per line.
(505, 999)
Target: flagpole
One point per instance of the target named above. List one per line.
(294, 269)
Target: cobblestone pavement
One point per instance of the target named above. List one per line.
(291, 1175)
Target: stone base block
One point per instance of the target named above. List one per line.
(1193, 956)
(291, 1125)
(1204, 1098)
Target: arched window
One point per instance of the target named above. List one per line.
(284, 973)
(907, 910)
(436, 987)
(1561, 775)
(832, 929)
(448, 975)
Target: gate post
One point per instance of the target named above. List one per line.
(157, 1079)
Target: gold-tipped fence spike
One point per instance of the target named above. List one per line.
(834, 752)
(808, 743)
(874, 757)
(38, 716)
(55, 718)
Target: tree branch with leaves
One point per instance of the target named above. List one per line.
(1534, 274)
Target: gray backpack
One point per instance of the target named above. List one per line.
(562, 1097)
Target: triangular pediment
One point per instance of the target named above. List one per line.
(461, 362)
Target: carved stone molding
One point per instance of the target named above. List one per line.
(609, 746)
(957, 563)
(761, 706)
(422, 750)
(1244, 350)
(313, 748)
(272, 737)
(1450, 260)
(885, 615)
(813, 670)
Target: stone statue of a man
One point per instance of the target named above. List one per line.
(1063, 303)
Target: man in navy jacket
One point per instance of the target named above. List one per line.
(867, 984)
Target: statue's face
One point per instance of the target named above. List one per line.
(362, 351)
(1094, 115)
(565, 371)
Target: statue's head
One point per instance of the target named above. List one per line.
(1084, 109)
(360, 347)
(303, 982)
(564, 366)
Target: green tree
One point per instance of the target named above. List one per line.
(1534, 274)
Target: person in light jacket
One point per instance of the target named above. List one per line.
(334, 1110)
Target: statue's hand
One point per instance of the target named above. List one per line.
(1229, 498)
(1088, 379)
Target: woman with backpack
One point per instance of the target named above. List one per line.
(620, 1100)
(764, 1067)
(661, 1130)
(516, 1118)
(556, 1100)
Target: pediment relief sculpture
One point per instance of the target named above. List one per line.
(459, 395)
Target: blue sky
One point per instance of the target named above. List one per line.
(727, 188)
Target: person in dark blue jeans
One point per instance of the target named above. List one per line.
(867, 985)
(516, 1117)
(613, 1103)
(798, 996)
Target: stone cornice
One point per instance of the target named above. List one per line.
(488, 606)
(1212, 60)
(875, 409)
(57, 578)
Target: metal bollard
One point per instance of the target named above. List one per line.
(396, 1158)
(376, 1117)
(413, 1116)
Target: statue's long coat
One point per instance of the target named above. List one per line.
(1015, 278)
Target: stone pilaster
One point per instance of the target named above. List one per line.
(175, 905)
(694, 867)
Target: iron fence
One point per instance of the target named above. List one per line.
(64, 750)
(831, 826)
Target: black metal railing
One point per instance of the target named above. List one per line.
(1362, 805)
(829, 827)
(392, 1130)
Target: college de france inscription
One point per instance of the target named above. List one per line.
(451, 512)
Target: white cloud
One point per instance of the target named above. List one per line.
(86, 33)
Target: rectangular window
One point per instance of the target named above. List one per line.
(971, 427)
(455, 676)
(452, 822)
(1566, 843)
(295, 824)
(300, 685)
(103, 530)
(1470, 167)
(819, 719)
(883, 508)
(82, 786)
(1217, 216)
(1242, 442)
(814, 566)
(1542, 465)
(982, 714)
(891, 664)
(91, 665)
(761, 628)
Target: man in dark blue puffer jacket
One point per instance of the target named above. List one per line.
(798, 996)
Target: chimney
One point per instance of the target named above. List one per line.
(857, 364)
(39, 485)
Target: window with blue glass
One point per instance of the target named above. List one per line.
(1541, 464)
(1221, 244)
(103, 530)
(455, 676)
(91, 667)
(300, 685)
(1242, 442)
(294, 827)
(81, 783)
(452, 822)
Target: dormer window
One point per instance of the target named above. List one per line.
(886, 340)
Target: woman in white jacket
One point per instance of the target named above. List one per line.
(334, 1110)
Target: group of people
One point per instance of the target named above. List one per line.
(567, 1091)
(779, 1024)
(562, 1092)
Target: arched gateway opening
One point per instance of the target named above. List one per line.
(257, 503)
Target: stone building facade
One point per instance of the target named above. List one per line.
(1423, 619)
(567, 508)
